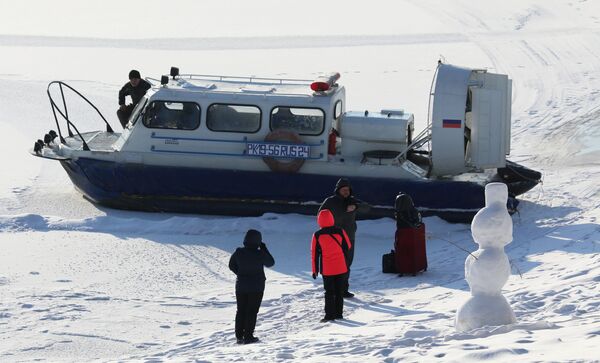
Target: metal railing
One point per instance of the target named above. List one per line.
(232, 80)
(238, 79)
(65, 115)
(422, 138)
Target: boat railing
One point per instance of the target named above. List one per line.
(238, 79)
(65, 114)
(421, 139)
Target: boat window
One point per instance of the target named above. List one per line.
(172, 115)
(304, 121)
(233, 118)
(338, 110)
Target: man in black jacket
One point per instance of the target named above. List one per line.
(344, 206)
(247, 263)
(136, 88)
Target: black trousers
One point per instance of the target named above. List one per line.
(334, 296)
(248, 304)
(124, 115)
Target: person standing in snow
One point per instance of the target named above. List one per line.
(136, 88)
(344, 207)
(248, 264)
(329, 248)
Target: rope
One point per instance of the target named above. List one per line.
(516, 267)
(472, 255)
(452, 243)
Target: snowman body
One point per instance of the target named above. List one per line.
(488, 268)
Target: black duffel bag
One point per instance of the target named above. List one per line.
(388, 263)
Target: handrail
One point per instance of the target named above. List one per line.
(260, 81)
(249, 79)
(422, 138)
(65, 115)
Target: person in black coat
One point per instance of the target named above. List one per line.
(136, 88)
(248, 264)
(344, 206)
(407, 216)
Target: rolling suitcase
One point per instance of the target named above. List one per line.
(410, 251)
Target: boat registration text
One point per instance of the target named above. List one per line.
(278, 150)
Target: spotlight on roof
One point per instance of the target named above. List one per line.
(174, 72)
(164, 80)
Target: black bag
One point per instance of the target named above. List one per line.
(388, 263)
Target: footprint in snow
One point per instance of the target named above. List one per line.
(98, 298)
(525, 341)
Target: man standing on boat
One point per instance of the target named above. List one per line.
(136, 88)
(344, 206)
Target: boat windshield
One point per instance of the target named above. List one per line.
(135, 115)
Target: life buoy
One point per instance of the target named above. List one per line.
(283, 165)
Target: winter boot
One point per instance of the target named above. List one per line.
(250, 340)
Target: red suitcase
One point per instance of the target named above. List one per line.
(411, 254)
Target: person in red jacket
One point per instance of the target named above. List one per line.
(329, 249)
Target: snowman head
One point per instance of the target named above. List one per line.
(492, 225)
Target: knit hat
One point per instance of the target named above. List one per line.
(341, 183)
(253, 238)
(134, 74)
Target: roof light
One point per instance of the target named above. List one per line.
(319, 86)
(324, 83)
(174, 72)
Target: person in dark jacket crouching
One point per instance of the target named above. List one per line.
(329, 249)
(136, 88)
(247, 263)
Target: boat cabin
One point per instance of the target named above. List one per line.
(232, 116)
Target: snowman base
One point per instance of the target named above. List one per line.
(484, 310)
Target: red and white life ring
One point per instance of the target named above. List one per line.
(283, 165)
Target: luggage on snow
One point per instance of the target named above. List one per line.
(410, 251)
(388, 263)
(409, 254)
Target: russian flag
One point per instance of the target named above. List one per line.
(451, 124)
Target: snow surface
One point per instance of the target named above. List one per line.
(80, 282)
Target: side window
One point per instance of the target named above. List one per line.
(172, 115)
(304, 121)
(233, 118)
(337, 112)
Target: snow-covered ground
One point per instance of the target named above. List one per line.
(80, 282)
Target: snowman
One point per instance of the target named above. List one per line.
(488, 269)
